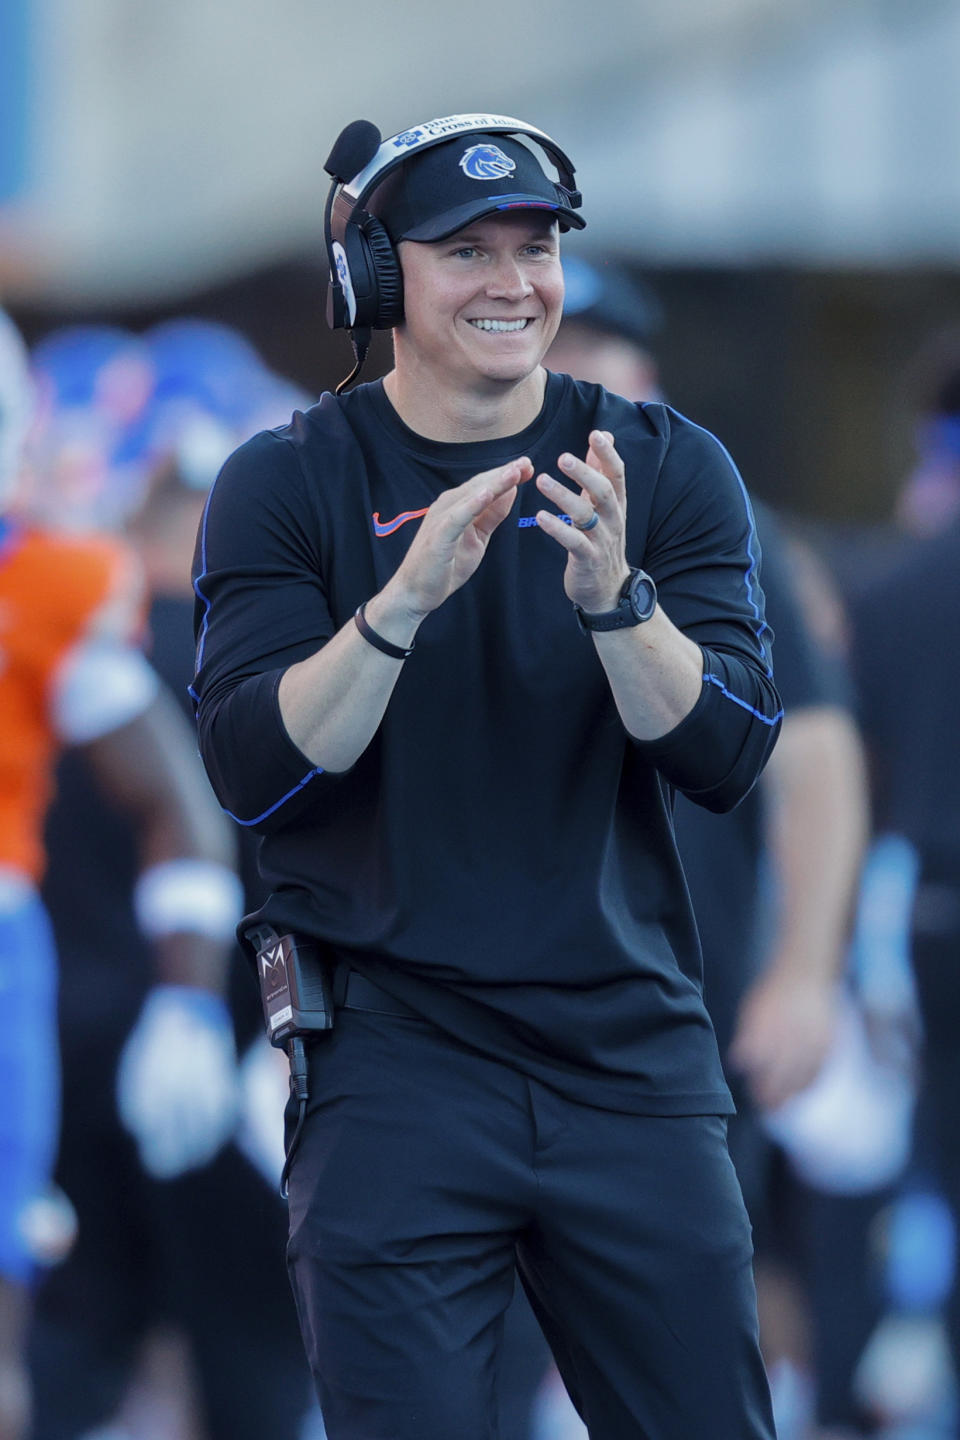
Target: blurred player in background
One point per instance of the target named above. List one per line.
(71, 673)
(773, 884)
(774, 1005)
(135, 430)
(907, 634)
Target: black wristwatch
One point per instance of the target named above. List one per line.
(638, 600)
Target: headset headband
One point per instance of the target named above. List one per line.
(397, 148)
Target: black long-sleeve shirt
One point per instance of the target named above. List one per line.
(501, 856)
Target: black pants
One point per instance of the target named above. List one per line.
(427, 1174)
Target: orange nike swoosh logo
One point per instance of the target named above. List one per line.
(387, 527)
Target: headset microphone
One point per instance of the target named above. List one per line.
(353, 150)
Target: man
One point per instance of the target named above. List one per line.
(770, 989)
(69, 610)
(200, 1251)
(772, 885)
(466, 799)
(908, 703)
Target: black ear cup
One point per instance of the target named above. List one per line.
(388, 286)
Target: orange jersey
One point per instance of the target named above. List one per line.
(57, 593)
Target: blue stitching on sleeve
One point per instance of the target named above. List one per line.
(276, 806)
(767, 720)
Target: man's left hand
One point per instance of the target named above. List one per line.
(595, 538)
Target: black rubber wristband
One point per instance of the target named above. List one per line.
(386, 647)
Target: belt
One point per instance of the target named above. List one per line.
(362, 994)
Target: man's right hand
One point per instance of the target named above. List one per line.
(333, 702)
(451, 542)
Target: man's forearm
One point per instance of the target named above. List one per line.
(332, 703)
(655, 673)
(187, 898)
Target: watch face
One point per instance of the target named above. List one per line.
(642, 596)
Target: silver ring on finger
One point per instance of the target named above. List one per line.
(594, 520)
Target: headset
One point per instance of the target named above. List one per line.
(366, 283)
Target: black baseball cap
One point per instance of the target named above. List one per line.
(437, 193)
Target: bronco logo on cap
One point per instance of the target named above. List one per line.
(486, 162)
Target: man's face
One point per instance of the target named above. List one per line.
(483, 306)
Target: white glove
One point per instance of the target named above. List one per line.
(177, 1090)
(849, 1132)
(265, 1087)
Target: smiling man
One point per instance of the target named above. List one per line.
(461, 635)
